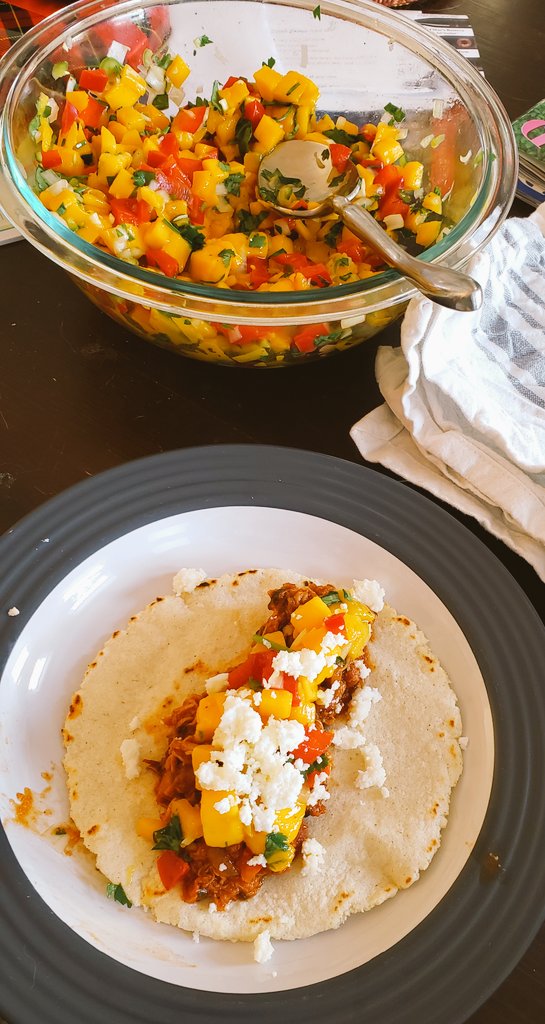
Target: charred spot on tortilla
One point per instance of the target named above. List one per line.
(76, 705)
(385, 790)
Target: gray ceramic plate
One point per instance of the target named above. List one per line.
(451, 961)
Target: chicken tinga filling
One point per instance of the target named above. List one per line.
(248, 761)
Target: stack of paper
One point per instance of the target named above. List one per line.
(530, 135)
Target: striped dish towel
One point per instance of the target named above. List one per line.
(464, 412)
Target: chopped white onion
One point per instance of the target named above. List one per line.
(52, 177)
(155, 77)
(54, 109)
(221, 189)
(234, 335)
(59, 186)
(437, 141)
(402, 133)
(437, 109)
(67, 45)
(467, 157)
(177, 95)
(426, 141)
(118, 51)
(386, 118)
(394, 221)
(224, 104)
(71, 84)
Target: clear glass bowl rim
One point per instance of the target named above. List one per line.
(101, 269)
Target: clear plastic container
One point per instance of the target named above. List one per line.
(361, 56)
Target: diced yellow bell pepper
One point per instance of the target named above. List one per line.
(325, 124)
(289, 820)
(177, 71)
(175, 208)
(311, 638)
(387, 151)
(225, 131)
(267, 80)
(210, 708)
(126, 91)
(310, 614)
(202, 150)
(276, 703)
(235, 94)
(90, 231)
(412, 174)
(251, 163)
(123, 185)
(178, 248)
(145, 827)
(118, 130)
(414, 219)
(199, 755)
(190, 819)
(257, 246)
(78, 98)
(433, 202)
(156, 118)
(46, 133)
(308, 688)
(132, 118)
(220, 829)
(108, 142)
(268, 134)
(305, 712)
(110, 164)
(130, 140)
(71, 165)
(426, 233)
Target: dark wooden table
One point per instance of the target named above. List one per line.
(78, 394)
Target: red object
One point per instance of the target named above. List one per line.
(129, 34)
(389, 177)
(190, 119)
(195, 210)
(161, 259)
(257, 666)
(305, 338)
(171, 868)
(173, 180)
(317, 273)
(93, 79)
(68, 116)
(368, 132)
(231, 81)
(247, 871)
(290, 684)
(169, 144)
(371, 161)
(92, 115)
(259, 271)
(335, 623)
(189, 165)
(355, 250)
(156, 158)
(392, 204)
(253, 112)
(130, 211)
(311, 777)
(340, 155)
(51, 159)
(315, 743)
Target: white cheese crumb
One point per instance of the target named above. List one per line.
(196, 937)
(187, 580)
(217, 683)
(223, 806)
(223, 867)
(259, 859)
(361, 705)
(263, 947)
(313, 856)
(363, 670)
(134, 723)
(319, 790)
(13, 611)
(257, 698)
(130, 755)
(374, 773)
(369, 592)
(212, 908)
(463, 741)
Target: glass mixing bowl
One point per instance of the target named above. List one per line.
(361, 57)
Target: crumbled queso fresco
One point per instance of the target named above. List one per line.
(369, 592)
(130, 755)
(187, 580)
(263, 947)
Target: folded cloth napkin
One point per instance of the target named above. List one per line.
(464, 412)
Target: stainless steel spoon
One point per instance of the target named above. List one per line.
(305, 167)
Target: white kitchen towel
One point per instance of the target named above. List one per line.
(464, 412)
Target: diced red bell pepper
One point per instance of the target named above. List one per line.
(444, 158)
(93, 79)
(355, 250)
(127, 33)
(156, 158)
(371, 161)
(169, 144)
(311, 777)
(232, 79)
(93, 112)
(389, 177)
(315, 743)
(195, 209)
(368, 131)
(171, 868)
(158, 19)
(173, 180)
(51, 159)
(305, 338)
(290, 684)
(247, 871)
(317, 274)
(69, 114)
(160, 258)
(259, 271)
(257, 666)
(392, 204)
(294, 260)
(253, 112)
(130, 211)
(340, 155)
(190, 119)
(189, 165)
(335, 623)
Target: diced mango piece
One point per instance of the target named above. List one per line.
(132, 118)
(268, 134)
(220, 829)
(199, 755)
(357, 627)
(308, 688)
(412, 174)
(305, 713)
(254, 840)
(125, 91)
(310, 614)
(78, 98)
(122, 186)
(145, 827)
(210, 708)
(311, 638)
(426, 233)
(276, 703)
(289, 820)
(190, 819)
(267, 80)
(177, 71)
(107, 141)
(433, 202)
(235, 94)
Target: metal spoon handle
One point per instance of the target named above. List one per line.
(447, 287)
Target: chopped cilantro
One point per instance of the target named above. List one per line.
(201, 41)
(226, 256)
(293, 88)
(34, 125)
(318, 765)
(41, 182)
(142, 178)
(169, 837)
(117, 893)
(317, 13)
(339, 135)
(46, 112)
(160, 101)
(397, 113)
(192, 235)
(337, 180)
(268, 63)
(243, 135)
(334, 597)
(248, 222)
(215, 97)
(163, 62)
(233, 183)
(276, 842)
(256, 242)
(277, 180)
(332, 236)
